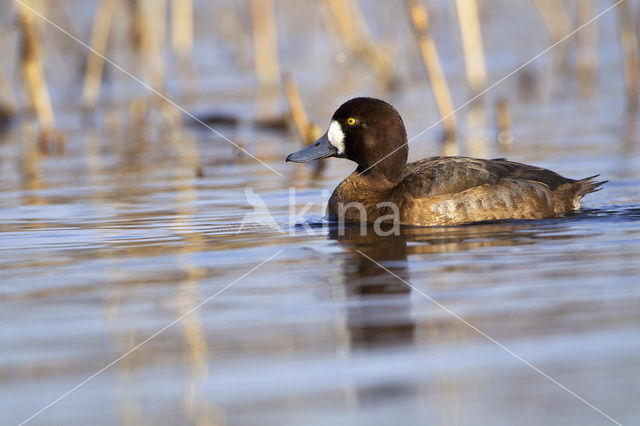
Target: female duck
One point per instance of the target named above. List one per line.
(432, 191)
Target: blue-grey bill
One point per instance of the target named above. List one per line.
(319, 149)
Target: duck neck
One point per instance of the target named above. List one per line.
(384, 174)
(380, 179)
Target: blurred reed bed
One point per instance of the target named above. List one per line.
(160, 30)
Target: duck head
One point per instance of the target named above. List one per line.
(367, 131)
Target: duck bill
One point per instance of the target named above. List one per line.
(319, 149)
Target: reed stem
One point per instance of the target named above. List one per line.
(558, 25)
(182, 42)
(182, 26)
(150, 29)
(472, 44)
(298, 113)
(503, 123)
(587, 57)
(95, 63)
(431, 60)
(353, 30)
(629, 44)
(31, 65)
(307, 131)
(265, 41)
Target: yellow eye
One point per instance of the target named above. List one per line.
(351, 121)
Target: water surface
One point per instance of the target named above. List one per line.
(137, 226)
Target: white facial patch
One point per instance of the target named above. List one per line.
(336, 136)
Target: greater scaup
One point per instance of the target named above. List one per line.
(435, 190)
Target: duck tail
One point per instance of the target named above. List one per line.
(588, 185)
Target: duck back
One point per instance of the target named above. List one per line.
(459, 190)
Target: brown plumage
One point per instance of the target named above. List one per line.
(436, 190)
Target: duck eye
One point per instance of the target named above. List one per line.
(351, 121)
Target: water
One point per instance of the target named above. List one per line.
(104, 248)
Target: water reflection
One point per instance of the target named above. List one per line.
(383, 316)
(380, 315)
(380, 310)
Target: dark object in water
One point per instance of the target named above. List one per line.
(6, 116)
(278, 122)
(217, 118)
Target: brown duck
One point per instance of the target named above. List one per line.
(436, 190)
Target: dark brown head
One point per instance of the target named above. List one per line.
(367, 131)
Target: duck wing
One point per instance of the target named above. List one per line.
(450, 175)
(457, 190)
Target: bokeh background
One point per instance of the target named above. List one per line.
(124, 188)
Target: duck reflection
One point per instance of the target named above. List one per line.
(379, 313)
(382, 315)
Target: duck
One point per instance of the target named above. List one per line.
(434, 191)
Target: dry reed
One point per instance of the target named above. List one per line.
(150, 21)
(182, 43)
(629, 44)
(298, 113)
(182, 26)
(307, 131)
(475, 132)
(472, 44)
(503, 123)
(33, 74)
(431, 60)
(558, 25)
(265, 40)
(95, 63)
(356, 36)
(150, 33)
(587, 56)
